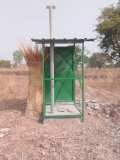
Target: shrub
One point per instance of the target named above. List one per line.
(5, 64)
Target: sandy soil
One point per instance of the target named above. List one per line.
(97, 138)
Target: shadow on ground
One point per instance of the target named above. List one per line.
(13, 104)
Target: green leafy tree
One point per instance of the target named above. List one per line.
(78, 53)
(17, 57)
(108, 28)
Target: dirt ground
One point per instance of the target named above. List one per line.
(97, 138)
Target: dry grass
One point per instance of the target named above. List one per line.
(32, 55)
(33, 59)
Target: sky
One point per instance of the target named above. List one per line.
(21, 20)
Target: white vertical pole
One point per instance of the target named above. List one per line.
(51, 56)
(50, 8)
(52, 74)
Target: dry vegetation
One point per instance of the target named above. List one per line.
(98, 138)
(33, 59)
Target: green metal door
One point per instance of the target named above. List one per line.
(64, 72)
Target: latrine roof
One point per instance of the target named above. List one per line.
(61, 41)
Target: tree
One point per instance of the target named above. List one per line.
(108, 28)
(78, 56)
(118, 4)
(99, 60)
(17, 57)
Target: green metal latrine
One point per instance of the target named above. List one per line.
(63, 81)
(64, 69)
